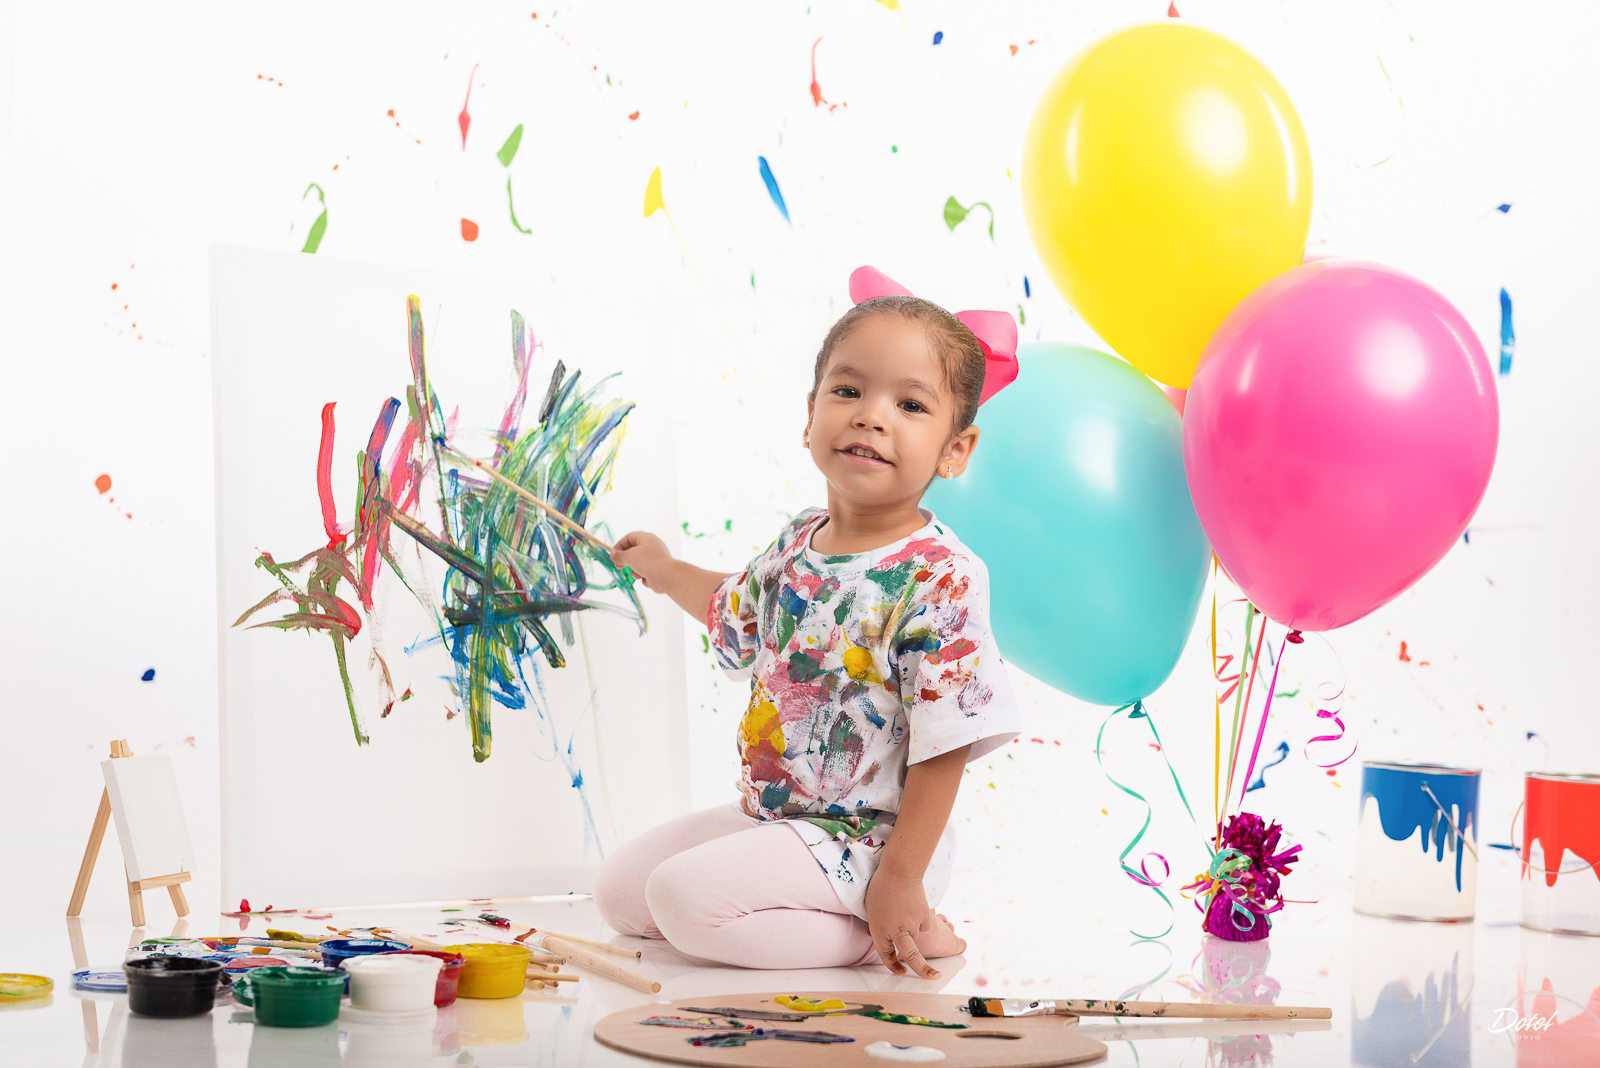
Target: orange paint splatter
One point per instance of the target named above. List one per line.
(1172, 11)
(189, 741)
(469, 230)
(1403, 654)
(634, 116)
(113, 285)
(1013, 49)
(817, 99)
(103, 483)
(464, 120)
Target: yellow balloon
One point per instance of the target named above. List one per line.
(1165, 175)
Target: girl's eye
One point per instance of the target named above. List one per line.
(912, 406)
(847, 392)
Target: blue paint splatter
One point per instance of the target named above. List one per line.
(772, 189)
(1508, 336)
(1027, 289)
(1504, 209)
(148, 676)
(938, 36)
(1404, 809)
(1261, 776)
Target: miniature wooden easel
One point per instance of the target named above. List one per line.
(102, 817)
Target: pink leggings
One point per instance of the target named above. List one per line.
(723, 887)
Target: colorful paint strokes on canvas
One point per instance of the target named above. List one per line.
(513, 578)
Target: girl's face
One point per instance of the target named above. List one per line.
(880, 423)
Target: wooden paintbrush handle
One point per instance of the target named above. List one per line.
(605, 966)
(1185, 1010)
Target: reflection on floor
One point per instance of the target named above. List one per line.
(1415, 995)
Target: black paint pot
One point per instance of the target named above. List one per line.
(172, 986)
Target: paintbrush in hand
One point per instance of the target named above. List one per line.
(1012, 1007)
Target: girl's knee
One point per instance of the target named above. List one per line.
(675, 895)
(620, 899)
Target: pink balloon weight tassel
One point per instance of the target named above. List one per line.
(1338, 436)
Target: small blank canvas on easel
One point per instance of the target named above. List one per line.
(144, 803)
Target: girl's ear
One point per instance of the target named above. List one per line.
(811, 408)
(958, 453)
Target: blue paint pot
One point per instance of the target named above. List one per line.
(1416, 845)
(338, 950)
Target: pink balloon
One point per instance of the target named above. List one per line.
(1338, 435)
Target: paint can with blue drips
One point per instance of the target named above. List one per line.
(1417, 843)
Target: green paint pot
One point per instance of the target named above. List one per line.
(291, 997)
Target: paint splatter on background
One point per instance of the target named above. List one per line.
(772, 189)
(507, 153)
(464, 119)
(1508, 335)
(955, 213)
(320, 227)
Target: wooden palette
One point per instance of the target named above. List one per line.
(1030, 1042)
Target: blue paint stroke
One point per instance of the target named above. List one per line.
(1504, 209)
(938, 36)
(148, 676)
(1404, 809)
(1508, 336)
(772, 189)
(1261, 776)
(1027, 289)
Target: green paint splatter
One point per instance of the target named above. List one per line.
(513, 205)
(1022, 316)
(894, 148)
(320, 227)
(705, 644)
(955, 214)
(727, 524)
(508, 151)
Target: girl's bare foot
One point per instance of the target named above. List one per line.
(941, 940)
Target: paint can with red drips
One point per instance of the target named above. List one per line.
(1561, 852)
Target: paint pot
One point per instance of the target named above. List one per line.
(1561, 855)
(444, 991)
(1551, 1021)
(492, 970)
(172, 986)
(19, 986)
(1410, 993)
(1416, 846)
(490, 1022)
(291, 997)
(393, 982)
(336, 951)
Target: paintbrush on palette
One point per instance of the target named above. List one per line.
(1014, 1007)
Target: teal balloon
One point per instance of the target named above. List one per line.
(1076, 500)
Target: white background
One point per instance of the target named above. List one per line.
(138, 134)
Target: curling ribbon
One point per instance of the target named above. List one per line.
(1330, 713)
(1266, 710)
(1136, 710)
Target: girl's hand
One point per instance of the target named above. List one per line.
(645, 555)
(897, 911)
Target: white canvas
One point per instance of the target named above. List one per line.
(309, 817)
(149, 816)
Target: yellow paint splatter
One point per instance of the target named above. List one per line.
(652, 195)
(858, 664)
(760, 723)
(892, 5)
(799, 1004)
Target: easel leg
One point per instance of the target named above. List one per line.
(102, 817)
(135, 901)
(178, 902)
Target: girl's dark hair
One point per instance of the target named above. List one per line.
(958, 350)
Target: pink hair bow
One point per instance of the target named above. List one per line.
(996, 331)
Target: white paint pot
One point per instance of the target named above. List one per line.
(392, 982)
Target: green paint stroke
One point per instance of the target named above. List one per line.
(508, 151)
(955, 214)
(513, 205)
(320, 227)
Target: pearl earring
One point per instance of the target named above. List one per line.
(949, 470)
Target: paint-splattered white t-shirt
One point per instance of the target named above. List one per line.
(859, 666)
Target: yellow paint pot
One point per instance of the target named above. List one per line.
(492, 970)
(490, 1023)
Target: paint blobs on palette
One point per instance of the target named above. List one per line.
(888, 1051)
(773, 191)
(729, 1039)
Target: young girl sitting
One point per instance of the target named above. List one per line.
(874, 678)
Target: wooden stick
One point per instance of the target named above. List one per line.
(535, 966)
(1188, 1010)
(536, 957)
(604, 947)
(97, 833)
(281, 944)
(601, 965)
(555, 513)
(549, 977)
(416, 942)
(135, 899)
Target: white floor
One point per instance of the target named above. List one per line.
(1402, 993)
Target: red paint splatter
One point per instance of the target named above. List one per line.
(103, 483)
(469, 230)
(464, 120)
(330, 513)
(391, 113)
(634, 116)
(1172, 11)
(1331, 772)
(817, 99)
(1403, 654)
(244, 902)
(189, 741)
(113, 285)
(269, 79)
(979, 980)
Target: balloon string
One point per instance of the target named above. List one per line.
(1236, 745)
(1142, 876)
(1266, 709)
(1216, 704)
(1330, 713)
